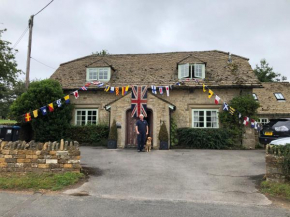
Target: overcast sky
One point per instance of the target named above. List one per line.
(69, 29)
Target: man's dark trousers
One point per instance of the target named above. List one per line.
(141, 137)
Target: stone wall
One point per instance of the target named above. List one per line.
(54, 157)
(274, 166)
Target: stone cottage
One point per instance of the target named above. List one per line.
(274, 100)
(227, 75)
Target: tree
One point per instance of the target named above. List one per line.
(101, 53)
(53, 125)
(244, 104)
(9, 96)
(265, 73)
(8, 66)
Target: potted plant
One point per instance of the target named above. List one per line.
(163, 137)
(113, 136)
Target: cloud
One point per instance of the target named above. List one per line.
(66, 30)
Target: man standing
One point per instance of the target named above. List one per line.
(142, 131)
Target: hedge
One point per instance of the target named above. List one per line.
(89, 134)
(204, 138)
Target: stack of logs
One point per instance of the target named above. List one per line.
(39, 157)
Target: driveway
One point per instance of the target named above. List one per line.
(188, 183)
(207, 176)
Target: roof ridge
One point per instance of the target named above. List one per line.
(176, 52)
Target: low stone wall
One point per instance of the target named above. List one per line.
(55, 157)
(274, 165)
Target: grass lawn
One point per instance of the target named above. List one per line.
(47, 181)
(3, 121)
(276, 189)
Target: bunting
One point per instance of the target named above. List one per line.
(217, 99)
(27, 117)
(107, 88)
(58, 102)
(123, 91)
(167, 90)
(161, 90)
(43, 110)
(232, 110)
(210, 93)
(126, 89)
(76, 94)
(50, 107)
(35, 113)
(66, 98)
(203, 88)
(117, 91)
(153, 89)
(112, 90)
(84, 88)
(225, 107)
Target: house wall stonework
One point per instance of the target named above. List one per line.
(184, 99)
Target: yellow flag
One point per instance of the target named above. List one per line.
(210, 93)
(35, 113)
(126, 89)
(203, 87)
(107, 88)
(66, 98)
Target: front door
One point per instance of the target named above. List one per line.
(131, 136)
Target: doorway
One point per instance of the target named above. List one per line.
(131, 136)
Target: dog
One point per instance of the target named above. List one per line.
(148, 144)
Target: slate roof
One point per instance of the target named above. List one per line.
(159, 69)
(268, 102)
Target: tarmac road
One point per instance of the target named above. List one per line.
(160, 183)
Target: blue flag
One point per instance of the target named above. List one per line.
(43, 110)
(225, 107)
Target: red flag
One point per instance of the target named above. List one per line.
(246, 121)
(27, 117)
(217, 99)
(76, 94)
(88, 84)
(50, 107)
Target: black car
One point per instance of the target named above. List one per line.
(275, 129)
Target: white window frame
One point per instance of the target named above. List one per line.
(264, 121)
(205, 117)
(255, 96)
(279, 96)
(86, 116)
(98, 72)
(196, 70)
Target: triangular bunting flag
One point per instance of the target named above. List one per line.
(210, 93)
(50, 107)
(217, 99)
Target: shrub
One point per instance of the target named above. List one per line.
(244, 104)
(113, 135)
(163, 133)
(89, 134)
(173, 132)
(52, 126)
(282, 150)
(204, 138)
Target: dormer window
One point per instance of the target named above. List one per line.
(191, 71)
(279, 96)
(100, 74)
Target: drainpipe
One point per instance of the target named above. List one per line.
(108, 109)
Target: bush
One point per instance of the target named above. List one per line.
(50, 127)
(204, 138)
(163, 133)
(247, 106)
(173, 132)
(113, 135)
(89, 134)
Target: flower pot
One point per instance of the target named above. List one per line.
(163, 145)
(112, 144)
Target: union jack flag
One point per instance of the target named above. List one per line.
(139, 101)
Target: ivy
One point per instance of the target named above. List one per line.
(173, 132)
